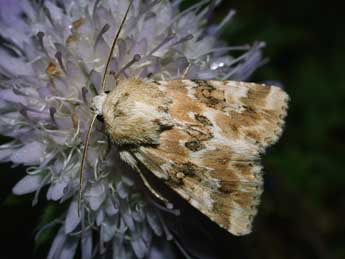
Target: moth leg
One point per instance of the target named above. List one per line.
(186, 70)
(153, 191)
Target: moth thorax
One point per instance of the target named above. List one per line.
(135, 113)
(97, 103)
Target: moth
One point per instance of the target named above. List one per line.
(202, 138)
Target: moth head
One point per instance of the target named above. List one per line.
(97, 103)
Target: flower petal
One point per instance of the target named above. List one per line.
(28, 184)
(30, 154)
(14, 66)
(139, 247)
(154, 223)
(56, 190)
(86, 245)
(95, 195)
(122, 190)
(128, 219)
(58, 242)
(108, 229)
(111, 208)
(5, 154)
(69, 248)
(100, 217)
(72, 218)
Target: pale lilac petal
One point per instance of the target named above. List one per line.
(100, 217)
(138, 215)
(14, 66)
(139, 247)
(122, 190)
(154, 223)
(72, 217)
(5, 154)
(108, 229)
(162, 251)
(96, 79)
(95, 196)
(122, 227)
(55, 12)
(127, 180)
(55, 249)
(9, 96)
(118, 243)
(28, 184)
(56, 190)
(30, 154)
(147, 234)
(86, 245)
(69, 248)
(10, 12)
(60, 137)
(128, 219)
(111, 207)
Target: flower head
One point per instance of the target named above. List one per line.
(52, 57)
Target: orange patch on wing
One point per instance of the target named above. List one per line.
(217, 158)
(181, 106)
(170, 144)
(256, 95)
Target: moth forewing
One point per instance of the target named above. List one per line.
(202, 138)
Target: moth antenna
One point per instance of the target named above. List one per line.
(81, 174)
(86, 145)
(114, 44)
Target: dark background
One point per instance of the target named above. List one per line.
(302, 212)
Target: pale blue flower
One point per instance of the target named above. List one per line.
(52, 56)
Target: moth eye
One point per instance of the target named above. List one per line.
(100, 118)
(107, 92)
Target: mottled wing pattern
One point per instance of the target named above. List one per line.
(211, 154)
